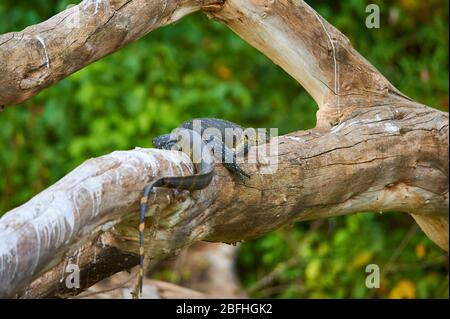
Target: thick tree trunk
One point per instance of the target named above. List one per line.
(373, 149)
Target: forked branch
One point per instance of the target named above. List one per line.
(373, 149)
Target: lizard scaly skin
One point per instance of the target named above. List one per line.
(204, 169)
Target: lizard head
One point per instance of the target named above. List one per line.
(165, 142)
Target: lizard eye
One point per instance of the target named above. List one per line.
(171, 145)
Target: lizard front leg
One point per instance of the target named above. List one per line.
(227, 157)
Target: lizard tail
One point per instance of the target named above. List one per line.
(143, 209)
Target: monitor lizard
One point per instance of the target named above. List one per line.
(221, 138)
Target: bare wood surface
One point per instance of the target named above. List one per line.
(384, 169)
(77, 37)
(373, 149)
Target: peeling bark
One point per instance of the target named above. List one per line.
(57, 224)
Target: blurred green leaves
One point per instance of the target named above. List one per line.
(327, 259)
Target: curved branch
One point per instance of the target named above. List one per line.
(59, 221)
(76, 37)
(312, 51)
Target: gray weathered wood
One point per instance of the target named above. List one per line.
(373, 149)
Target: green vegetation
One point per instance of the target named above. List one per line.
(200, 68)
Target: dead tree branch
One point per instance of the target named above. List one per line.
(373, 149)
(77, 37)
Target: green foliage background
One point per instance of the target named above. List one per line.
(200, 68)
